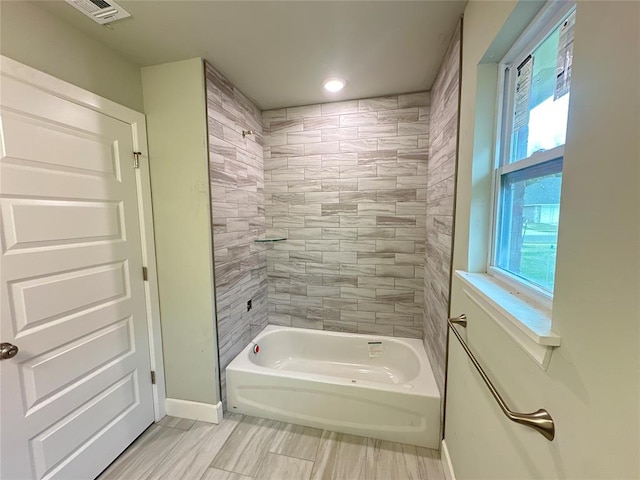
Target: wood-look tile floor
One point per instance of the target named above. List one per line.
(246, 448)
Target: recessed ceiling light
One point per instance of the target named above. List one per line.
(334, 84)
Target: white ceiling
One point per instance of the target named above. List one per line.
(279, 52)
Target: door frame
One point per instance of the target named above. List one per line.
(23, 73)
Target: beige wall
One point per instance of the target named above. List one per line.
(174, 102)
(591, 386)
(32, 36)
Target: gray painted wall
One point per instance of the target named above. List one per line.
(591, 387)
(174, 100)
(31, 35)
(346, 184)
(237, 200)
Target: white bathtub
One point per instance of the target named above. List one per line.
(335, 382)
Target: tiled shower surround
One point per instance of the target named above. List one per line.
(346, 184)
(237, 204)
(441, 170)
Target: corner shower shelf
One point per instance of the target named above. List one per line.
(266, 240)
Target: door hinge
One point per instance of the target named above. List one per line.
(153, 377)
(145, 274)
(136, 159)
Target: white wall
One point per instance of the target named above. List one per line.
(592, 384)
(174, 102)
(30, 35)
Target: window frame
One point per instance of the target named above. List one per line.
(543, 25)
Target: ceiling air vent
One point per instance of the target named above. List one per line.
(101, 11)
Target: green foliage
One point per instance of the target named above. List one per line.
(538, 264)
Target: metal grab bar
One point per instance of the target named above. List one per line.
(540, 420)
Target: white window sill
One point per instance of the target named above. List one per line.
(529, 324)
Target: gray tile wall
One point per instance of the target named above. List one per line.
(237, 203)
(346, 183)
(441, 168)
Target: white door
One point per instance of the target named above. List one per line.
(79, 389)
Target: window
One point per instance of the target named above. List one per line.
(528, 174)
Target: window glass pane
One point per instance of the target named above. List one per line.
(541, 123)
(528, 224)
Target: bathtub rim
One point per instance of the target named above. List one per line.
(423, 385)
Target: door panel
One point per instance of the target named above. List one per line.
(84, 152)
(57, 441)
(76, 222)
(79, 390)
(37, 301)
(47, 374)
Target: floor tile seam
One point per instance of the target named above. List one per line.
(315, 456)
(260, 461)
(203, 474)
(264, 459)
(214, 455)
(148, 446)
(259, 464)
(224, 445)
(223, 470)
(431, 455)
(273, 434)
(166, 453)
(291, 456)
(178, 428)
(232, 431)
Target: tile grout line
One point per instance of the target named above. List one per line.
(290, 456)
(176, 444)
(242, 417)
(300, 458)
(371, 459)
(176, 428)
(315, 457)
(223, 470)
(184, 432)
(261, 462)
(313, 463)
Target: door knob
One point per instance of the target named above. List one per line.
(7, 351)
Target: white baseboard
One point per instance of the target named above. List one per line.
(203, 412)
(447, 466)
